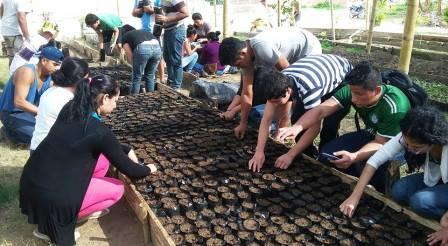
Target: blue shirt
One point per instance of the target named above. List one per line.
(7, 98)
(146, 18)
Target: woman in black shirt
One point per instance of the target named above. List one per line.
(56, 176)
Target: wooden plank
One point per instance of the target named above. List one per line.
(379, 196)
(159, 236)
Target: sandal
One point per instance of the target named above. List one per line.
(94, 215)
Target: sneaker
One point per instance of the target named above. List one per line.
(44, 237)
(94, 215)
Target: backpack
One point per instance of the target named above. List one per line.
(414, 92)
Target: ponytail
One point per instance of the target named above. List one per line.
(72, 71)
(87, 97)
(214, 36)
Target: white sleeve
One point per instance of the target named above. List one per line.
(387, 152)
(24, 6)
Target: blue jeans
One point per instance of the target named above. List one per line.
(19, 127)
(428, 201)
(173, 40)
(189, 61)
(352, 142)
(145, 58)
(256, 114)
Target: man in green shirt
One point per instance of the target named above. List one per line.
(106, 26)
(380, 106)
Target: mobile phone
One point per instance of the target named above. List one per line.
(331, 157)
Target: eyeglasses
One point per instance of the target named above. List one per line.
(413, 149)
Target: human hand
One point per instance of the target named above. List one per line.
(228, 115)
(133, 156)
(444, 220)
(348, 207)
(161, 18)
(438, 236)
(289, 132)
(110, 50)
(152, 167)
(284, 161)
(240, 130)
(346, 159)
(256, 163)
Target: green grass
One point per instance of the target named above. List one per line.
(327, 46)
(355, 50)
(4, 72)
(397, 11)
(436, 91)
(326, 5)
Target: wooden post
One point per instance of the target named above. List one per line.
(118, 7)
(372, 23)
(225, 18)
(279, 12)
(333, 32)
(214, 10)
(408, 36)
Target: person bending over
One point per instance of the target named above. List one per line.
(277, 49)
(424, 138)
(308, 82)
(380, 106)
(58, 185)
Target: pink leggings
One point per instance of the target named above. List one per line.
(102, 192)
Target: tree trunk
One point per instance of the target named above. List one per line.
(439, 7)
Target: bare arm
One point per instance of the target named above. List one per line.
(1, 10)
(235, 102)
(21, 16)
(115, 36)
(128, 51)
(310, 118)
(247, 94)
(23, 79)
(187, 48)
(282, 63)
(181, 14)
(100, 39)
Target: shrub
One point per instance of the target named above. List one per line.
(445, 14)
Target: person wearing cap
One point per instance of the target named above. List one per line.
(107, 26)
(14, 24)
(20, 98)
(27, 54)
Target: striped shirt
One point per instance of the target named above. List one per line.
(316, 76)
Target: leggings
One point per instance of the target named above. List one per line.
(102, 192)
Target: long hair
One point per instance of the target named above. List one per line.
(72, 71)
(87, 95)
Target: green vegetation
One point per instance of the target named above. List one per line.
(326, 5)
(4, 72)
(327, 46)
(445, 14)
(436, 91)
(355, 50)
(397, 11)
(8, 192)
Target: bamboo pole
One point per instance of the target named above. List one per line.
(367, 14)
(333, 31)
(118, 7)
(225, 18)
(372, 23)
(408, 36)
(279, 12)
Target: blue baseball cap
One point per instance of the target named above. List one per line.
(52, 53)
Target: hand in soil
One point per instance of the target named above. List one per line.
(439, 236)
(240, 130)
(348, 207)
(256, 163)
(289, 132)
(228, 115)
(284, 161)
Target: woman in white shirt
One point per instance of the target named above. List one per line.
(65, 81)
(424, 132)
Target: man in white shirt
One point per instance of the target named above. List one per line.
(14, 25)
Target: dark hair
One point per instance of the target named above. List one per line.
(427, 125)
(91, 19)
(229, 50)
(271, 83)
(196, 16)
(51, 43)
(214, 36)
(191, 31)
(85, 101)
(364, 75)
(72, 70)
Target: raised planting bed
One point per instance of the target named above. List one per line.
(203, 193)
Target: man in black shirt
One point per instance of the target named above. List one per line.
(143, 52)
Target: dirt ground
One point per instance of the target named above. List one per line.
(118, 228)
